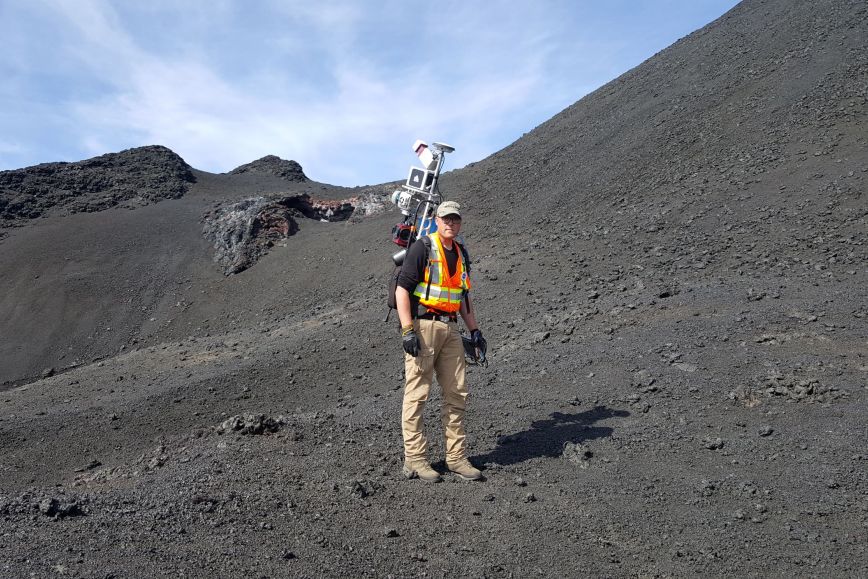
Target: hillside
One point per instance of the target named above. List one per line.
(671, 274)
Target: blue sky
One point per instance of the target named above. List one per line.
(342, 87)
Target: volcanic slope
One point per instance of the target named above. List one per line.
(90, 284)
(671, 274)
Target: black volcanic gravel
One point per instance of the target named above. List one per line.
(671, 275)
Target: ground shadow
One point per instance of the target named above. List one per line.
(547, 437)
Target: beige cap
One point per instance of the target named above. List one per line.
(449, 208)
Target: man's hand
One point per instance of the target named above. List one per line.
(480, 344)
(410, 341)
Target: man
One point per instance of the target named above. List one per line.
(432, 291)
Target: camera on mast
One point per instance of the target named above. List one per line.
(426, 155)
(443, 147)
(419, 197)
(420, 179)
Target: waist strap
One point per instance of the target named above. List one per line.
(437, 317)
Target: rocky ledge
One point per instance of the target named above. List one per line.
(244, 231)
(134, 177)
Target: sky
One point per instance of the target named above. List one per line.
(343, 87)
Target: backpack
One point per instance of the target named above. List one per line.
(393, 278)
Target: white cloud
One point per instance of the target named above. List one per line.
(217, 124)
(343, 88)
(101, 34)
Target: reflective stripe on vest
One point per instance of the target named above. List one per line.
(438, 290)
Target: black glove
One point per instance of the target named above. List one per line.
(410, 341)
(480, 344)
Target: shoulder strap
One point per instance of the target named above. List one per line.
(466, 257)
(426, 241)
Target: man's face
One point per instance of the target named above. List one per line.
(448, 226)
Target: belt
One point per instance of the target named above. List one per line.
(437, 317)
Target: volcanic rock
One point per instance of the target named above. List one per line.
(577, 453)
(273, 165)
(251, 424)
(53, 507)
(133, 177)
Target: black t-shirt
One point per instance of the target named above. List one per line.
(413, 268)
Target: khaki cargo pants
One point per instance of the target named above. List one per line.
(442, 351)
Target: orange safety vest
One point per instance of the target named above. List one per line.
(438, 290)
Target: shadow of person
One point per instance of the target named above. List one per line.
(547, 437)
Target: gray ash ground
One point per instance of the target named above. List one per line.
(677, 326)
